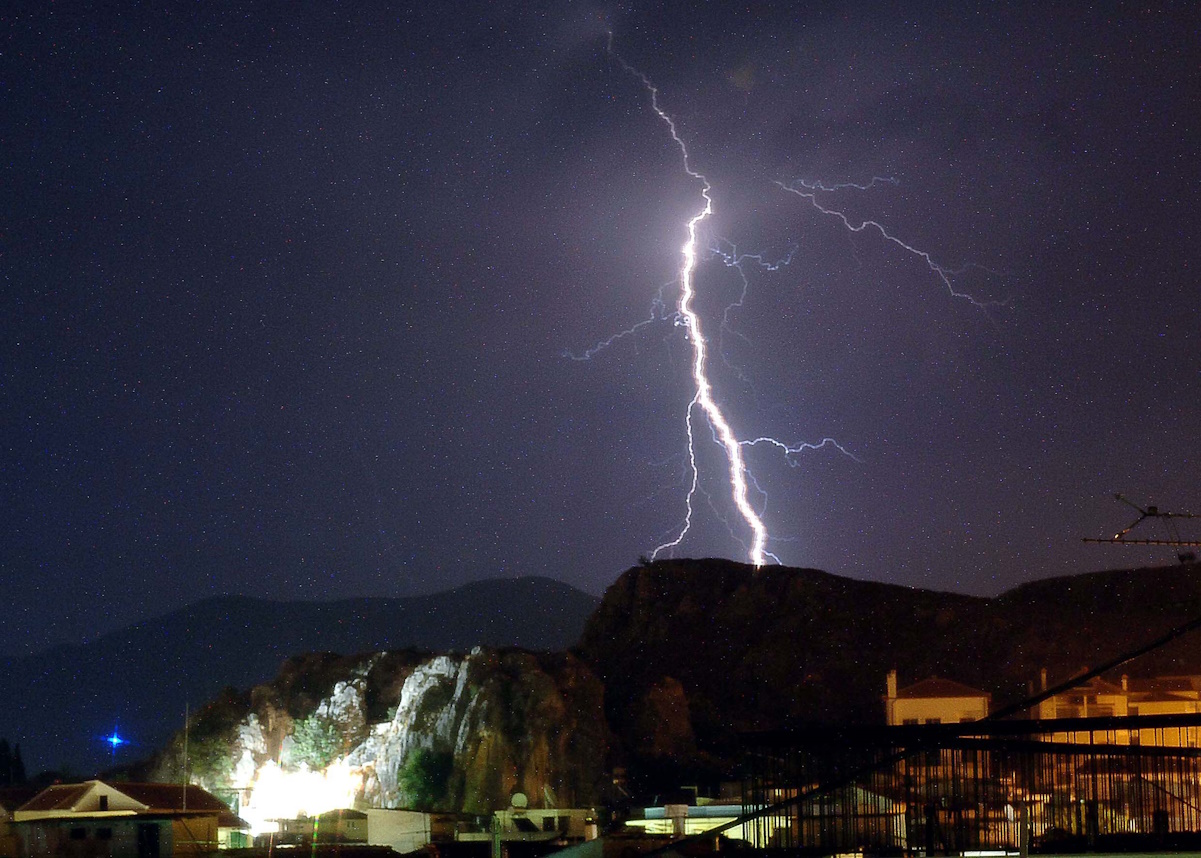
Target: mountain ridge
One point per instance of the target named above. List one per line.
(678, 660)
(747, 649)
(690, 652)
(139, 679)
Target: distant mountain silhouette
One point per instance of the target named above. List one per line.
(61, 703)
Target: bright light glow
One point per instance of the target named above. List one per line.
(278, 794)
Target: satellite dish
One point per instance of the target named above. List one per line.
(519, 800)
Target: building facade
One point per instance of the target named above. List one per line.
(96, 818)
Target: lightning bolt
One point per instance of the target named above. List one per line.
(703, 398)
(741, 481)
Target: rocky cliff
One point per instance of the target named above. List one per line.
(679, 659)
(693, 652)
(448, 731)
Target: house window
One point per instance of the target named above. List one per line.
(548, 823)
(104, 834)
(104, 802)
(79, 834)
(910, 721)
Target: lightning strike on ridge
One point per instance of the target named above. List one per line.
(742, 482)
(704, 390)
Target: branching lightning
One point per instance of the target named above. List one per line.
(658, 313)
(810, 190)
(790, 452)
(728, 253)
(741, 481)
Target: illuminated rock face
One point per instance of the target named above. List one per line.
(345, 706)
(432, 715)
(502, 722)
(465, 733)
(251, 747)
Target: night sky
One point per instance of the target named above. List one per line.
(292, 290)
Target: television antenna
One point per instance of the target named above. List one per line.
(1169, 523)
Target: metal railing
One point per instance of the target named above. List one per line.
(1099, 784)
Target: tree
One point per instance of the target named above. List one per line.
(17, 767)
(317, 741)
(12, 769)
(426, 777)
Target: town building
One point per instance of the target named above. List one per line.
(125, 819)
(334, 826)
(405, 831)
(933, 701)
(687, 820)
(1099, 698)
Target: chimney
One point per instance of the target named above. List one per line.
(1042, 676)
(1125, 682)
(892, 685)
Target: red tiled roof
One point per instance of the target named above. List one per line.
(158, 798)
(1096, 685)
(170, 797)
(1163, 685)
(938, 687)
(57, 797)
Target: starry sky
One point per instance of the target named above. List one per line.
(294, 294)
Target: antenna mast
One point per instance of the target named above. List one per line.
(1168, 519)
(185, 755)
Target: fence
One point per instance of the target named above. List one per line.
(1076, 784)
